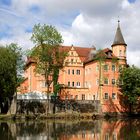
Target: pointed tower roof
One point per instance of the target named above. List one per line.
(119, 40)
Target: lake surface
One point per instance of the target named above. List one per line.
(71, 130)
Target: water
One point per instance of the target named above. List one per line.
(71, 130)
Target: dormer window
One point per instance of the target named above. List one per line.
(109, 54)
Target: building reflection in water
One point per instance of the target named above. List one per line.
(68, 130)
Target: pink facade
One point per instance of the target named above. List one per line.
(86, 78)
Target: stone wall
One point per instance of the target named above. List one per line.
(45, 106)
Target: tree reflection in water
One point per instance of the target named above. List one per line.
(5, 131)
(68, 130)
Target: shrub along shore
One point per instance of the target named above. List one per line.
(59, 116)
(63, 116)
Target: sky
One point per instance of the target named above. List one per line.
(83, 23)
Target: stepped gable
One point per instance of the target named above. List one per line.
(81, 51)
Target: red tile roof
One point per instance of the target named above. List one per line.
(29, 61)
(103, 53)
(82, 52)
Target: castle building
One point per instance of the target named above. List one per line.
(88, 74)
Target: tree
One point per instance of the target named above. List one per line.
(101, 58)
(48, 54)
(10, 72)
(130, 84)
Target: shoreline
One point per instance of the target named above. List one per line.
(63, 116)
(57, 116)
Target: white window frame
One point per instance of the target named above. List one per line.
(106, 96)
(78, 84)
(114, 96)
(113, 81)
(113, 69)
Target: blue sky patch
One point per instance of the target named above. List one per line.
(28, 30)
(131, 1)
(5, 2)
(66, 21)
(5, 31)
(5, 35)
(34, 9)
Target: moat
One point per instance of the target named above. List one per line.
(126, 129)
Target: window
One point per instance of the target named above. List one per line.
(114, 137)
(78, 84)
(72, 61)
(120, 82)
(78, 72)
(106, 81)
(93, 97)
(106, 96)
(113, 68)
(71, 53)
(66, 97)
(68, 71)
(120, 67)
(73, 72)
(83, 135)
(124, 52)
(83, 96)
(89, 84)
(106, 136)
(69, 83)
(67, 61)
(105, 67)
(89, 70)
(43, 84)
(120, 53)
(97, 68)
(73, 84)
(113, 82)
(76, 97)
(113, 95)
(109, 54)
(97, 82)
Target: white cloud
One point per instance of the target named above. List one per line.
(125, 4)
(87, 29)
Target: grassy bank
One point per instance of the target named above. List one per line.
(59, 116)
(63, 116)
